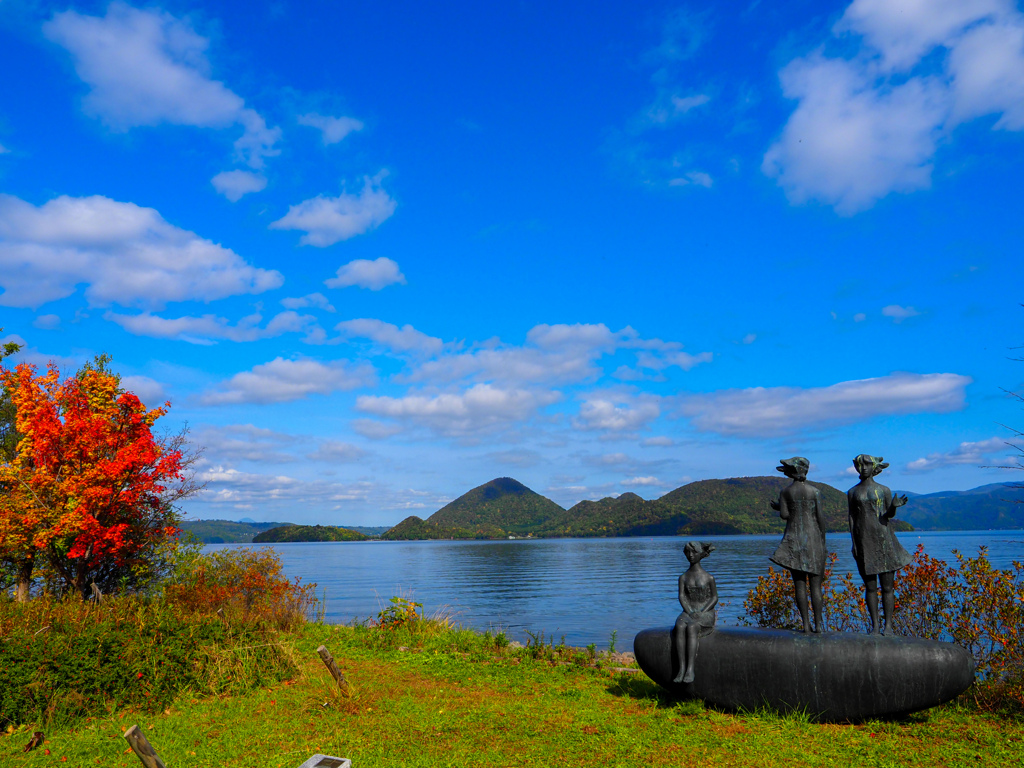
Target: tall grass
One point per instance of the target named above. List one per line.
(215, 629)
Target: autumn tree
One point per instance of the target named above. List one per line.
(8, 450)
(89, 493)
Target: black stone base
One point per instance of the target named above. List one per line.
(834, 676)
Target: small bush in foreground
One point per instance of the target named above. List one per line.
(247, 584)
(972, 604)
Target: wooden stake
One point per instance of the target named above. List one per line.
(142, 748)
(328, 660)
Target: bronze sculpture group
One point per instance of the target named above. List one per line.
(875, 548)
(830, 676)
(802, 552)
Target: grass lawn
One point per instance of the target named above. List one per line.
(456, 700)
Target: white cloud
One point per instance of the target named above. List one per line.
(404, 339)
(149, 391)
(671, 106)
(869, 125)
(766, 412)
(860, 317)
(208, 328)
(965, 453)
(898, 313)
(376, 274)
(553, 353)
(125, 254)
(657, 442)
(335, 451)
(332, 129)
(750, 338)
(479, 408)
(328, 220)
(642, 482)
(849, 142)
(698, 178)
(375, 430)
(560, 353)
(33, 356)
(987, 65)
(227, 486)
(3, 150)
(667, 354)
(234, 184)
(243, 442)
(46, 322)
(146, 67)
(317, 300)
(903, 31)
(281, 381)
(615, 414)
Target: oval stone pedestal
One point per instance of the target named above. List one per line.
(834, 676)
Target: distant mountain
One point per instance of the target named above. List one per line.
(225, 531)
(998, 505)
(505, 507)
(625, 515)
(288, 533)
(741, 505)
(245, 531)
(414, 528)
(504, 504)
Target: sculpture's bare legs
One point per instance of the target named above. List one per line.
(816, 603)
(686, 637)
(800, 588)
(871, 598)
(888, 580)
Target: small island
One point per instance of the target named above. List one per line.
(286, 533)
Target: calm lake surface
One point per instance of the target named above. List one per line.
(583, 589)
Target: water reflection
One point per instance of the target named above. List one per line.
(580, 588)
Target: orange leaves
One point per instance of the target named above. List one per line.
(970, 603)
(87, 480)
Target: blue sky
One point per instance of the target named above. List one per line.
(376, 254)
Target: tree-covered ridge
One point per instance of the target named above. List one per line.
(994, 506)
(226, 531)
(287, 533)
(625, 515)
(740, 505)
(414, 528)
(504, 507)
(503, 504)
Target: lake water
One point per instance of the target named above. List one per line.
(583, 589)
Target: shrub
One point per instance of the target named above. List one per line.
(247, 584)
(973, 604)
(63, 660)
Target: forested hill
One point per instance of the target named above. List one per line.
(502, 503)
(308, 533)
(741, 505)
(988, 507)
(505, 507)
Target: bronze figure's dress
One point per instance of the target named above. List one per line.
(803, 544)
(704, 619)
(875, 546)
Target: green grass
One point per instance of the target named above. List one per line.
(456, 698)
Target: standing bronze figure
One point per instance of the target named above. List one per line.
(875, 547)
(698, 596)
(802, 551)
